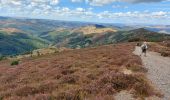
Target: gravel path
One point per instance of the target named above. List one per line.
(158, 71)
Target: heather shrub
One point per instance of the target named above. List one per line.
(134, 40)
(165, 53)
(47, 87)
(72, 95)
(91, 76)
(168, 44)
(26, 90)
(42, 97)
(1, 97)
(16, 62)
(67, 71)
(70, 79)
(89, 73)
(1, 58)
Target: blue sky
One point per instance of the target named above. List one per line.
(105, 11)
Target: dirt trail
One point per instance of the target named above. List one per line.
(158, 71)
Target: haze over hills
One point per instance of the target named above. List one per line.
(21, 35)
(161, 29)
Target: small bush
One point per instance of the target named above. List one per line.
(139, 44)
(26, 90)
(165, 54)
(70, 79)
(16, 62)
(167, 44)
(134, 40)
(1, 97)
(2, 58)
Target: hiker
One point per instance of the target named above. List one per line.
(144, 48)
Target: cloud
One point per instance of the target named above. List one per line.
(80, 9)
(28, 2)
(119, 6)
(51, 9)
(12, 2)
(54, 2)
(104, 2)
(77, 0)
(136, 15)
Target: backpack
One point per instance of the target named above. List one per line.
(144, 47)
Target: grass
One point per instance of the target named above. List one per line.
(90, 73)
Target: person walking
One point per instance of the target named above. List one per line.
(144, 48)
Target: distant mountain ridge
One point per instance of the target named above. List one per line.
(22, 35)
(78, 39)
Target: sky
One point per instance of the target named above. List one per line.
(102, 11)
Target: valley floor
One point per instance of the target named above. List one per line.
(158, 71)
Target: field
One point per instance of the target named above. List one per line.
(90, 73)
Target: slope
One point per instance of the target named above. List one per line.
(90, 73)
(142, 34)
(16, 43)
(93, 36)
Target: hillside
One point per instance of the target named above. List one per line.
(76, 74)
(144, 34)
(37, 26)
(159, 28)
(93, 30)
(14, 42)
(20, 35)
(10, 30)
(78, 38)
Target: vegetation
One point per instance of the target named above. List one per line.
(27, 38)
(87, 73)
(76, 74)
(1, 57)
(161, 47)
(18, 43)
(82, 40)
(15, 62)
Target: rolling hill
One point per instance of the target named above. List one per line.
(19, 35)
(93, 30)
(37, 26)
(143, 34)
(161, 29)
(12, 43)
(93, 36)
